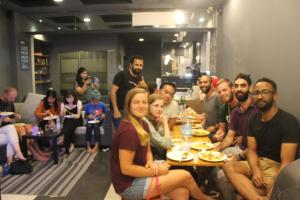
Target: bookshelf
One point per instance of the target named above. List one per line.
(41, 73)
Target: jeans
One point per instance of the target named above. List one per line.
(116, 121)
(89, 130)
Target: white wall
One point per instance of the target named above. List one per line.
(262, 38)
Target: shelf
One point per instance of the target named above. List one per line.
(43, 82)
(39, 55)
(41, 65)
(42, 74)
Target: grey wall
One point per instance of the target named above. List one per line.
(262, 38)
(151, 52)
(5, 66)
(83, 42)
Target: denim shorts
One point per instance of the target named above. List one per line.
(138, 190)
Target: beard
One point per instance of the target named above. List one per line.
(136, 72)
(242, 97)
(267, 106)
(205, 90)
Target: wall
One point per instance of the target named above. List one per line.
(150, 50)
(262, 38)
(5, 66)
(83, 42)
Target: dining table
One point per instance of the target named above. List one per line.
(177, 138)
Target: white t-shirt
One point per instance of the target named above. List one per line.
(171, 110)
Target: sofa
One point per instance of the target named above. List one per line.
(27, 108)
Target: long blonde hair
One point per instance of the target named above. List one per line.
(142, 134)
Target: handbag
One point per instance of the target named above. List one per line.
(156, 187)
(20, 167)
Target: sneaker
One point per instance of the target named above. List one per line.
(105, 149)
(5, 168)
(71, 149)
(213, 194)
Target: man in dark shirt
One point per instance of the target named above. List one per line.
(7, 105)
(272, 144)
(122, 83)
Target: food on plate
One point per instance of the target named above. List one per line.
(202, 145)
(200, 132)
(212, 156)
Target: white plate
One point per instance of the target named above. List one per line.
(6, 113)
(93, 121)
(202, 145)
(197, 126)
(50, 118)
(179, 156)
(19, 124)
(70, 116)
(212, 156)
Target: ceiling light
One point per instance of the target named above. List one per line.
(40, 20)
(176, 34)
(179, 17)
(59, 28)
(173, 40)
(184, 46)
(201, 19)
(187, 44)
(58, 1)
(156, 26)
(87, 19)
(141, 39)
(198, 44)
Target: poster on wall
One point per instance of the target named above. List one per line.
(24, 55)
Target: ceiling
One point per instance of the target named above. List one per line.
(105, 14)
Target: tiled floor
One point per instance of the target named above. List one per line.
(94, 184)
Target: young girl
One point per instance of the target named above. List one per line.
(71, 112)
(132, 166)
(160, 137)
(48, 107)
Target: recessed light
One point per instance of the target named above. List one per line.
(141, 39)
(201, 19)
(86, 19)
(59, 28)
(40, 20)
(156, 26)
(198, 44)
(184, 46)
(58, 1)
(187, 44)
(176, 34)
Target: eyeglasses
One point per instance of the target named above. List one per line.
(263, 93)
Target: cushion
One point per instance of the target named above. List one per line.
(27, 111)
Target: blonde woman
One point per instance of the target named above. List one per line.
(132, 165)
(160, 137)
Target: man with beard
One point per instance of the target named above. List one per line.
(226, 94)
(122, 83)
(211, 102)
(272, 144)
(239, 119)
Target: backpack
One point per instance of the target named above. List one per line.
(20, 167)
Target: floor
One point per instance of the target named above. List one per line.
(93, 185)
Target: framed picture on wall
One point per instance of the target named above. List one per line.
(24, 55)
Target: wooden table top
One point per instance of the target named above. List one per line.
(196, 161)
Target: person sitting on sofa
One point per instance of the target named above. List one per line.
(95, 114)
(71, 109)
(8, 133)
(48, 107)
(7, 104)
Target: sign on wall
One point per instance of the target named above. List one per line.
(24, 55)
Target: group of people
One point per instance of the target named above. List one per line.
(244, 120)
(48, 113)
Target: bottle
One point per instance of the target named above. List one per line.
(181, 104)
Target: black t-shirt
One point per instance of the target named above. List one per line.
(282, 128)
(125, 82)
(6, 107)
